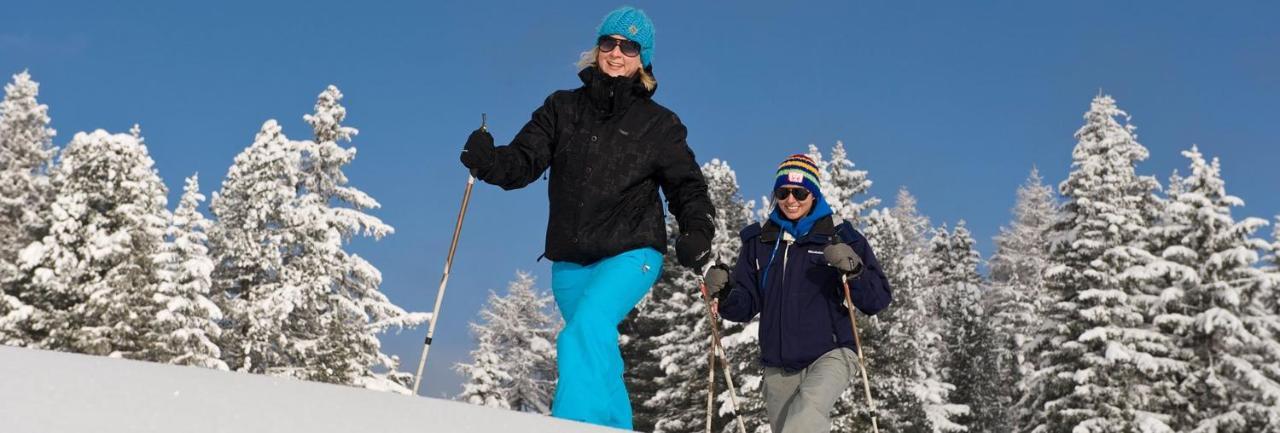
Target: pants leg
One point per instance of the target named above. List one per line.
(779, 390)
(808, 408)
(568, 282)
(591, 387)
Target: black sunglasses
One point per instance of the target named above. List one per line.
(629, 48)
(800, 194)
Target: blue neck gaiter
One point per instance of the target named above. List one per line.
(798, 229)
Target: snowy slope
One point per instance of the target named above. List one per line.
(44, 391)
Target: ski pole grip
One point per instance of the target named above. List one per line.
(706, 268)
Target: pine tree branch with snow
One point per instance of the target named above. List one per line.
(513, 365)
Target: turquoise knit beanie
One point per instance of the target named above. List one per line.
(633, 24)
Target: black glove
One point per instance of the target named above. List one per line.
(693, 250)
(841, 257)
(717, 279)
(478, 153)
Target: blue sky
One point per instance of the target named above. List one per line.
(954, 100)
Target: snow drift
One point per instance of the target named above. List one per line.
(44, 391)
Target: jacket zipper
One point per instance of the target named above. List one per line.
(782, 295)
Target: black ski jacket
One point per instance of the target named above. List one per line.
(610, 147)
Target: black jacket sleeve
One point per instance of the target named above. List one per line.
(529, 154)
(682, 183)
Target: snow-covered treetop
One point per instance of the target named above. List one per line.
(187, 212)
(733, 213)
(327, 120)
(25, 138)
(842, 184)
(1020, 254)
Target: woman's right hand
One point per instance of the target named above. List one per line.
(717, 279)
(478, 153)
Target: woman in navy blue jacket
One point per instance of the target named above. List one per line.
(784, 275)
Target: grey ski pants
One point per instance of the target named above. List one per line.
(801, 401)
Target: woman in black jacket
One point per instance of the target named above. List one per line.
(610, 148)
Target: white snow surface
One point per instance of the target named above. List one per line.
(45, 391)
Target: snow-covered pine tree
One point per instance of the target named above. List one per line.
(638, 344)
(741, 341)
(1020, 254)
(94, 275)
(953, 257)
(675, 305)
(513, 365)
(1211, 308)
(969, 336)
(248, 249)
(296, 303)
(898, 342)
(187, 328)
(26, 154)
(1099, 368)
(342, 288)
(1017, 297)
(676, 337)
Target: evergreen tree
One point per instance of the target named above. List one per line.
(94, 276)
(741, 341)
(187, 330)
(514, 362)
(971, 342)
(898, 342)
(296, 303)
(682, 350)
(1017, 298)
(841, 184)
(26, 154)
(681, 347)
(1210, 305)
(344, 300)
(1103, 363)
(248, 245)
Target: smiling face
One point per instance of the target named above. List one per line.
(794, 209)
(616, 64)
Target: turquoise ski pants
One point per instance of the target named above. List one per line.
(593, 300)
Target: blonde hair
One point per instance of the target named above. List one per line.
(588, 59)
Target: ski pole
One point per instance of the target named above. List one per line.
(862, 365)
(444, 279)
(718, 351)
(711, 384)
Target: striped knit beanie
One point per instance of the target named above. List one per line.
(799, 170)
(633, 24)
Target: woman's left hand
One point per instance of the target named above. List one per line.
(842, 257)
(693, 250)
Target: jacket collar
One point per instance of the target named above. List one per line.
(611, 95)
(822, 231)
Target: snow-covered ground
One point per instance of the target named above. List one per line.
(43, 391)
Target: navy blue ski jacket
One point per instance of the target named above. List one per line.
(801, 305)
